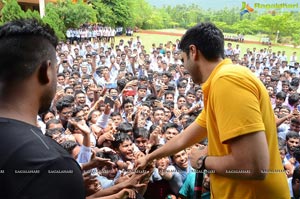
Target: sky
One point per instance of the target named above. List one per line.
(220, 4)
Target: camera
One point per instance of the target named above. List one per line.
(150, 77)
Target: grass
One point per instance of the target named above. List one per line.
(182, 31)
(149, 39)
(171, 30)
(275, 48)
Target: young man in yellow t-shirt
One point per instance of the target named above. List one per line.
(237, 119)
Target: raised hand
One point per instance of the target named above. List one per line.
(81, 125)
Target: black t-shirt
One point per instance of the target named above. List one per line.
(34, 166)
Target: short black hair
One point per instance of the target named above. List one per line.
(78, 92)
(76, 110)
(296, 175)
(111, 157)
(61, 104)
(141, 132)
(115, 113)
(119, 139)
(292, 135)
(67, 88)
(181, 85)
(208, 39)
(191, 92)
(60, 75)
(91, 113)
(42, 115)
(127, 101)
(121, 84)
(69, 146)
(281, 95)
(157, 109)
(169, 125)
(167, 73)
(293, 98)
(125, 127)
(25, 44)
(296, 153)
(52, 121)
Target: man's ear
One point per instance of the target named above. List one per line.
(44, 72)
(194, 52)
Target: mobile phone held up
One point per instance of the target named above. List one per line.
(150, 77)
(108, 100)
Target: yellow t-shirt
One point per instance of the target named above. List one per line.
(236, 103)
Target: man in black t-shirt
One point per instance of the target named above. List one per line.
(31, 164)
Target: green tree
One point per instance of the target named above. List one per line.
(270, 24)
(154, 21)
(222, 25)
(105, 15)
(121, 11)
(75, 14)
(32, 14)
(141, 11)
(11, 11)
(114, 12)
(245, 27)
(52, 18)
(227, 15)
(296, 39)
(165, 18)
(180, 15)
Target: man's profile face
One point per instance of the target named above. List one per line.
(192, 68)
(49, 89)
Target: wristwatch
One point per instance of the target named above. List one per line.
(201, 162)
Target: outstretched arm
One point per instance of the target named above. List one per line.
(191, 135)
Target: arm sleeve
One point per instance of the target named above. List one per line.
(84, 155)
(236, 105)
(102, 121)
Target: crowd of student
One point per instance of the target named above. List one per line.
(91, 31)
(234, 38)
(121, 101)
